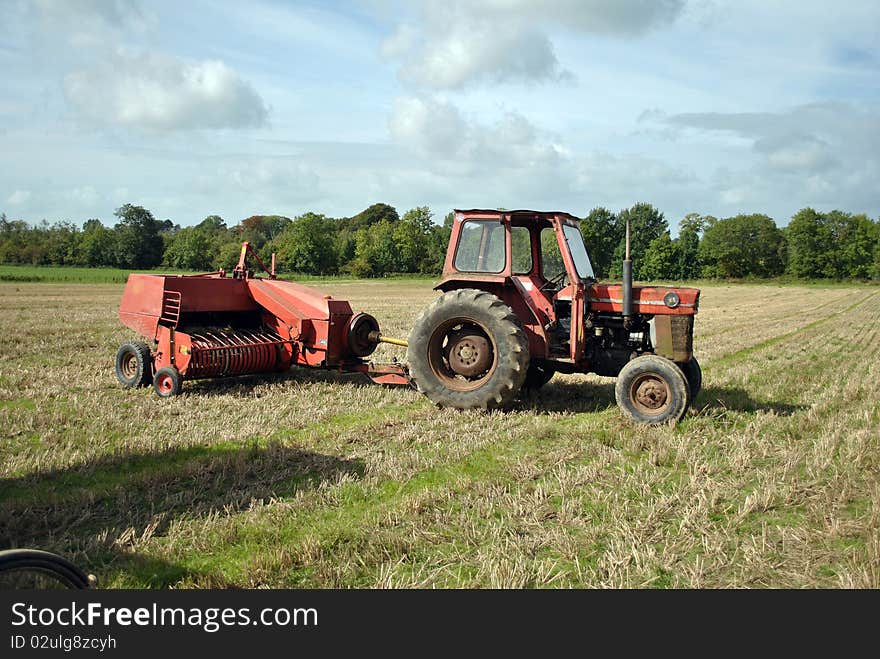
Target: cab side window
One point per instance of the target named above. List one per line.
(480, 247)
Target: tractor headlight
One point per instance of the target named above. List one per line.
(671, 299)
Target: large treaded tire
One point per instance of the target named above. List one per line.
(651, 389)
(458, 313)
(25, 568)
(134, 364)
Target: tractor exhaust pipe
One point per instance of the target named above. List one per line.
(627, 280)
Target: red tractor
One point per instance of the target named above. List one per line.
(521, 302)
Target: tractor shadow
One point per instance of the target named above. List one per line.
(98, 513)
(739, 400)
(586, 397)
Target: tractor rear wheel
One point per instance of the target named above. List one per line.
(468, 350)
(133, 364)
(652, 389)
(694, 375)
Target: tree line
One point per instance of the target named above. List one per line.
(378, 241)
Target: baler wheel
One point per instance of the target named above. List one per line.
(468, 350)
(694, 375)
(652, 389)
(133, 364)
(167, 382)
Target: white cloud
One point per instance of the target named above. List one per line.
(437, 130)
(277, 184)
(818, 154)
(19, 197)
(624, 17)
(430, 125)
(159, 92)
(85, 195)
(455, 44)
(481, 52)
(89, 22)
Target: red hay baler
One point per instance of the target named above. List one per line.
(214, 325)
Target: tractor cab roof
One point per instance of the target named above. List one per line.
(519, 214)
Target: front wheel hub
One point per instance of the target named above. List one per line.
(651, 393)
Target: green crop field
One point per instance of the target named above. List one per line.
(309, 479)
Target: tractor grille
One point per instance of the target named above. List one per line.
(682, 334)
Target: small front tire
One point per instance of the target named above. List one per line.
(167, 382)
(652, 390)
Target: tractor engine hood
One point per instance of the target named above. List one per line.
(648, 300)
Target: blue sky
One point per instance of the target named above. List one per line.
(242, 108)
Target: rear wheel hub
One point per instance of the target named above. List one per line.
(470, 354)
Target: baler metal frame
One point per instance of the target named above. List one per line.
(212, 325)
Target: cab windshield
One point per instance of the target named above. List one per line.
(575, 242)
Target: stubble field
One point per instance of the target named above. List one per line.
(314, 480)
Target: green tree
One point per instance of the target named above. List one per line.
(260, 229)
(646, 223)
(212, 225)
(852, 245)
(306, 245)
(376, 252)
(689, 230)
(97, 245)
(373, 215)
(189, 249)
(61, 242)
(742, 246)
(138, 240)
(602, 234)
(411, 235)
(661, 259)
(809, 243)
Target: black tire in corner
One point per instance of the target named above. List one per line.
(651, 389)
(133, 364)
(36, 569)
(694, 376)
(167, 382)
(537, 375)
(468, 350)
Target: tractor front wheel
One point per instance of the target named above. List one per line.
(652, 390)
(133, 364)
(468, 350)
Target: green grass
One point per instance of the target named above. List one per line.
(70, 274)
(79, 275)
(310, 479)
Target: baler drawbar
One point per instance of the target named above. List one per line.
(214, 325)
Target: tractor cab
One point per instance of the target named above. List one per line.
(536, 262)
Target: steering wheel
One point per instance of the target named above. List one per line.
(554, 282)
